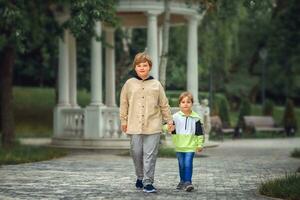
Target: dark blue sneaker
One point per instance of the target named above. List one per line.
(188, 187)
(139, 184)
(180, 185)
(149, 188)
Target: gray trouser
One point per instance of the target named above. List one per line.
(144, 150)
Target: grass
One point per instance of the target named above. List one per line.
(165, 152)
(25, 154)
(33, 110)
(296, 154)
(287, 187)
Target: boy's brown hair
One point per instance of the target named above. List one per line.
(186, 94)
(142, 57)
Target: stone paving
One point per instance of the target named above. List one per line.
(233, 170)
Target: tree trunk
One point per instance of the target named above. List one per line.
(7, 116)
(165, 45)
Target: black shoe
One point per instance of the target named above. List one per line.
(139, 184)
(149, 189)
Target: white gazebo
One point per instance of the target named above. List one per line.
(97, 125)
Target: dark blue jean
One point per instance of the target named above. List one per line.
(185, 162)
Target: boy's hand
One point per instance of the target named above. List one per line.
(171, 127)
(124, 128)
(199, 149)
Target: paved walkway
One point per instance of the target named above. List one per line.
(231, 171)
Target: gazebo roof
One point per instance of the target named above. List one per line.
(133, 13)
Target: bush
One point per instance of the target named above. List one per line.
(224, 112)
(268, 108)
(289, 118)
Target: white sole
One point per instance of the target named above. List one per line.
(149, 191)
(189, 188)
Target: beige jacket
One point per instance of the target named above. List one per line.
(143, 106)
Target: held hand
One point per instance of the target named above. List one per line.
(171, 127)
(124, 128)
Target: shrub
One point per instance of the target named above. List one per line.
(289, 118)
(268, 108)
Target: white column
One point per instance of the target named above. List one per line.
(63, 70)
(63, 73)
(93, 124)
(110, 80)
(192, 58)
(73, 71)
(96, 68)
(152, 44)
(160, 41)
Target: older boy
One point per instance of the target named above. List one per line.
(143, 106)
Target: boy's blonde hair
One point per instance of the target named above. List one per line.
(186, 94)
(142, 57)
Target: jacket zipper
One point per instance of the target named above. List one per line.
(185, 122)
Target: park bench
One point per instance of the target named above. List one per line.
(217, 125)
(261, 123)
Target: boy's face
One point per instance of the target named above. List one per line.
(186, 105)
(142, 70)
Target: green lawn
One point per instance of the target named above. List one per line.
(33, 109)
(25, 154)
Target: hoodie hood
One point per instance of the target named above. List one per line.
(133, 74)
(193, 114)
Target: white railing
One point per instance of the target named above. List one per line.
(174, 109)
(111, 123)
(73, 122)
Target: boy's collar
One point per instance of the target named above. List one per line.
(134, 74)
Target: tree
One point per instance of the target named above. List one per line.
(284, 48)
(21, 25)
